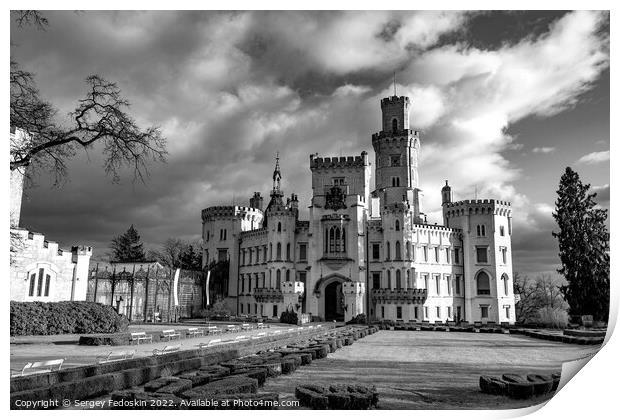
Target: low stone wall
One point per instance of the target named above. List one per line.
(586, 333)
(94, 380)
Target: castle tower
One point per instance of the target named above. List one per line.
(396, 150)
(446, 198)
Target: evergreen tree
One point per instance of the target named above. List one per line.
(584, 248)
(127, 247)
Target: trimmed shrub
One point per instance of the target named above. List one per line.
(155, 384)
(288, 366)
(310, 398)
(137, 400)
(542, 383)
(260, 374)
(321, 351)
(358, 319)
(288, 317)
(231, 385)
(50, 318)
(492, 385)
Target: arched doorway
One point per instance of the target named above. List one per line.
(334, 301)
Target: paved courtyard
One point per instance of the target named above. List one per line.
(433, 370)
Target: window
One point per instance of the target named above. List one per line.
(387, 251)
(436, 254)
(481, 254)
(449, 283)
(275, 311)
(415, 312)
(438, 311)
(503, 252)
(302, 277)
(501, 231)
(397, 225)
(33, 277)
(376, 253)
(507, 310)
(288, 251)
(425, 280)
(484, 312)
(438, 285)
(248, 308)
(395, 181)
(457, 255)
(398, 282)
(279, 227)
(279, 251)
(222, 254)
(483, 283)
(426, 312)
(222, 234)
(457, 285)
(389, 279)
(481, 230)
(242, 283)
(449, 312)
(425, 253)
(397, 251)
(303, 252)
(208, 234)
(505, 280)
(270, 251)
(383, 312)
(394, 125)
(408, 250)
(288, 275)
(458, 313)
(376, 280)
(338, 181)
(448, 255)
(335, 240)
(395, 160)
(409, 280)
(278, 279)
(243, 257)
(399, 312)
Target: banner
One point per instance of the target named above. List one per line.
(176, 286)
(207, 286)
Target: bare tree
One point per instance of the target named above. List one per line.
(100, 117)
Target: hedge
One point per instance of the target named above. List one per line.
(50, 318)
(337, 397)
(230, 385)
(519, 387)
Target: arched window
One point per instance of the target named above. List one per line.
(394, 125)
(288, 275)
(397, 254)
(279, 227)
(387, 251)
(409, 279)
(288, 251)
(408, 250)
(389, 279)
(279, 251)
(335, 240)
(483, 283)
(40, 281)
(397, 225)
(506, 283)
(480, 230)
(271, 251)
(278, 279)
(398, 282)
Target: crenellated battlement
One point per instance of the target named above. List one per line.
(407, 134)
(439, 228)
(317, 163)
(38, 240)
(255, 233)
(228, 212)
(480, 206)
(395, 101)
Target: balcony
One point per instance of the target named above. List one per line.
(415, 296)
(263, 294)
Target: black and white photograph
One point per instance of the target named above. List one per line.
(307, 209)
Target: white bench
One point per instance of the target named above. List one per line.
(211, 343)
(170, 334)
(212, 330)
(241, 338)
(138, 337)
(113, 356)
(260, 325)
(45, 366)
(194, 332)
(319, 326)
(276, 332)
(259, 335)
(232, 328)
(167, 349)
(246, 327)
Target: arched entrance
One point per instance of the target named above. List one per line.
(334, 302)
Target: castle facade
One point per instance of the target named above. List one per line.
(362, 250)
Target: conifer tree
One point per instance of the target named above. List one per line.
(128, 247)
(583, 240)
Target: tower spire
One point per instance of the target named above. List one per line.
(394, 83)
(277, 176)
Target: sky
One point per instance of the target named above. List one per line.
(504, 101)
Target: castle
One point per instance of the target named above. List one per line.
(364, 251)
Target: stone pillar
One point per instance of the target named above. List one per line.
(81, 259)
(291, 290)
(354, 294)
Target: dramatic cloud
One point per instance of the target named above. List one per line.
(230, 89)
(594, 158)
